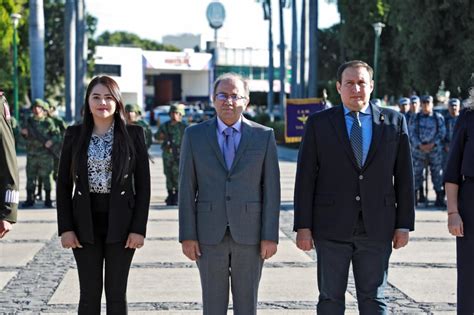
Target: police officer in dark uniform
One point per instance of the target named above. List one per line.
(459, 185)
(9, 193)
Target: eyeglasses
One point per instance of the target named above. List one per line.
(234, 97)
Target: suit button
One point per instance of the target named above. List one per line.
(361, 177)
(77, 176)
(122, 193)
(125, 176)
(79, 193)
(357, 198)
(227, 198)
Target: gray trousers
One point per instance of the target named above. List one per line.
(228, 261)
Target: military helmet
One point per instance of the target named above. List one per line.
(129, 108)
(177, 109)
(40, 103)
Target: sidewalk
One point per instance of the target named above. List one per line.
(37, 276)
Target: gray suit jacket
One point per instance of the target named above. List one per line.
(246, 198)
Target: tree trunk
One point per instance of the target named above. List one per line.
(70, 59)
(313, 49)
(81, 54)
(302, 85)
(294, 51)
(36, 41)
(282, 58)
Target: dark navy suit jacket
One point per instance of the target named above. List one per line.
(331, 190)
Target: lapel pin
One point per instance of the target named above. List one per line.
(381, 117)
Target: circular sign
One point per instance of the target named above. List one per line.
(215, 14)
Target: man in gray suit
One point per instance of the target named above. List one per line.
(229, 199)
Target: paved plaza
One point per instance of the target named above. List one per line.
(37, 276)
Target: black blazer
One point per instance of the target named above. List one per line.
(331, 190)
(129, 199)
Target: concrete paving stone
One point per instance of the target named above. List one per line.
(36, 215)
(33, 231)
(5, 276)
(436, 229)
(425, 285)
(422, 214)
(163, 215)
(426, 252)
(162, 229)
(17, 254)
(150, 285)
(230, 312)
(160, 251)
(276, 285)
(288, 252)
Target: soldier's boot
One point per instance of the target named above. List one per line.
(48, 203)
(30, 199)
(169, 199)
(440, 199)
(39, 195)
(175, 198)
(421, 196)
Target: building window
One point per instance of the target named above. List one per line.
(112, 70)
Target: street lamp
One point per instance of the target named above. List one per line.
(378, 31)
(15, 19)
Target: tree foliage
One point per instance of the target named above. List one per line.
(132, 40)
(7, 7)
(423, 42)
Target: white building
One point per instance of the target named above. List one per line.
(156, 77)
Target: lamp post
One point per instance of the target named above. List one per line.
(378, 31)
(15, 19)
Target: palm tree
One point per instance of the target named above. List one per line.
(70, 57)
(313, 49)
(36, 41)
(81, 54)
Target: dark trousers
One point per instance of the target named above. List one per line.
(465, 263)
(369, 264)
(228, 261)
(90, 262)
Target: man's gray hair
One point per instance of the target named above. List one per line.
(232, 76)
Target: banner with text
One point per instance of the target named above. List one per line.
(297, 112)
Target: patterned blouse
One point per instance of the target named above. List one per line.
(99, 162)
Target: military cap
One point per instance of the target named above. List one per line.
(129, 108)
(40, 103)
(454, 102)
(427, 98)
(177, 109)
(414, 99)
(404, 101)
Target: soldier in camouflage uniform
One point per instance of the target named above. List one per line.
(61, 125)
(454, 106)
(171, 133)
(427, 132)
(134, 118)
(9, 193)
(41, 137)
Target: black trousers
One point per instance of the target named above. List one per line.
(90, 261)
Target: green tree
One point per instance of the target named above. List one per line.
(7, 7)
(132, 40)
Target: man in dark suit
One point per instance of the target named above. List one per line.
(354, 192)
(229, 200)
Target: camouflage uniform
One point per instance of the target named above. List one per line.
(61, 125)
(425, 129)
(9, 193)
(148, 132)
(39, 159)
(450, 121)
(173, 135)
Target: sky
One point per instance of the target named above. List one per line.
(152, 19)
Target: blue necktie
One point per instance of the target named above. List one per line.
(229, 146)
(356, 138)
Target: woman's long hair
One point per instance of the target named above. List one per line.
(123, 155)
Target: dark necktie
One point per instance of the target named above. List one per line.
(356, 138)
(229, 146)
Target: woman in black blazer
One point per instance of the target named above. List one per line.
(459, 185)
(103, 196)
